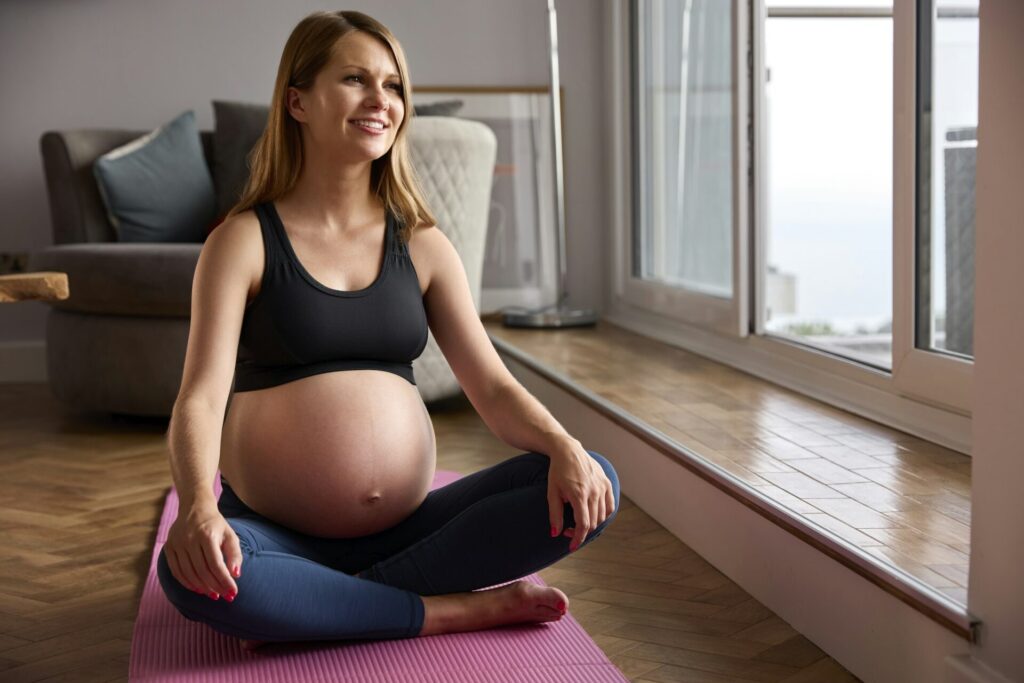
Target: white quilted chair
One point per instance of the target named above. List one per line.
(117, 344)
(455, 162)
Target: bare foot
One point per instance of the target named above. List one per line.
(515, 603)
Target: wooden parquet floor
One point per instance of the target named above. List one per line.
(82, 495)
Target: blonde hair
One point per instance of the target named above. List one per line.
(276, 159)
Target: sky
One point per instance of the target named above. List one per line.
(830, 156)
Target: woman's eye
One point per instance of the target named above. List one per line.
(396, 86)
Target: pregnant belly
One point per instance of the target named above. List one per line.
(340, 454)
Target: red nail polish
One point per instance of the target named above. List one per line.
(554, 532)
(561, 605)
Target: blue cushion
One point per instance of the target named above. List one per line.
(158, 188)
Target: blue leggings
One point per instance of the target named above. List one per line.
(487, 528)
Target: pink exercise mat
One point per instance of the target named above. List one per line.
(168, 647)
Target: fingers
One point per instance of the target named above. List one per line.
(202, 570)
(197, 566)
(589, 512)
(590, 515)
(181, 569)
(583, 516)
(218, 571)
(233, 554)
(555, 511)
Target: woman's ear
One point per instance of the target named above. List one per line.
(294, 105)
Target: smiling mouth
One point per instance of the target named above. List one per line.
(379, 129)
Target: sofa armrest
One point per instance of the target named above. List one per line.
(123, 278)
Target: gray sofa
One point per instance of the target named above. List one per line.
(117, 344)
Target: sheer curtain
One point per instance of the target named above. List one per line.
(685, 126)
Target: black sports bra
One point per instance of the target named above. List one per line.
(297, 327)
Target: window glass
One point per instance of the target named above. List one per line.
(683, 232)
(829, 184)
(947, 146)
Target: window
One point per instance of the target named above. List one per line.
(947, 122)
(689, 217)
(934, 143)
(684, 232)
(797, 178)
(828, 174)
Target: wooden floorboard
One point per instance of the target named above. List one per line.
(82, 495)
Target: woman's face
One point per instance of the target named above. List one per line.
(360, 82)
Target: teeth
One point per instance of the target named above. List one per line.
(370, 124)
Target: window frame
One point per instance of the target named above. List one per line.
(926, 394)
(727, 316)
(926, 375)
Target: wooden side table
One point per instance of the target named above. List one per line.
(41, 286)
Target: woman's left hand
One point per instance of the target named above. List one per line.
(575, 478)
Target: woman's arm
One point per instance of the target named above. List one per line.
(520, 420)
(508, 409)
(193, 438)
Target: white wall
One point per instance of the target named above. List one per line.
(131, 64)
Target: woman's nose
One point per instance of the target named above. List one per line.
(377, 98)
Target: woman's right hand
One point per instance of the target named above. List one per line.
(200, 548)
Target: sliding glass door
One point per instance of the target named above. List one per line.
(801, 179)
(866, 118)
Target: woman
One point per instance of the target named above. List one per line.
(315, 295)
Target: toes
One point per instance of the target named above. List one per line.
(553, 614)
(554, 607)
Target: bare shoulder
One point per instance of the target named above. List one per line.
(239, 230)
(428, 247)
(239, 242)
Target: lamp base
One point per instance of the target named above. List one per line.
(548, 316)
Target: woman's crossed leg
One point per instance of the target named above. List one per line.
(487, 528)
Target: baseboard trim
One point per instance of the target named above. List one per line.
(23, 360)
(967, 669)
